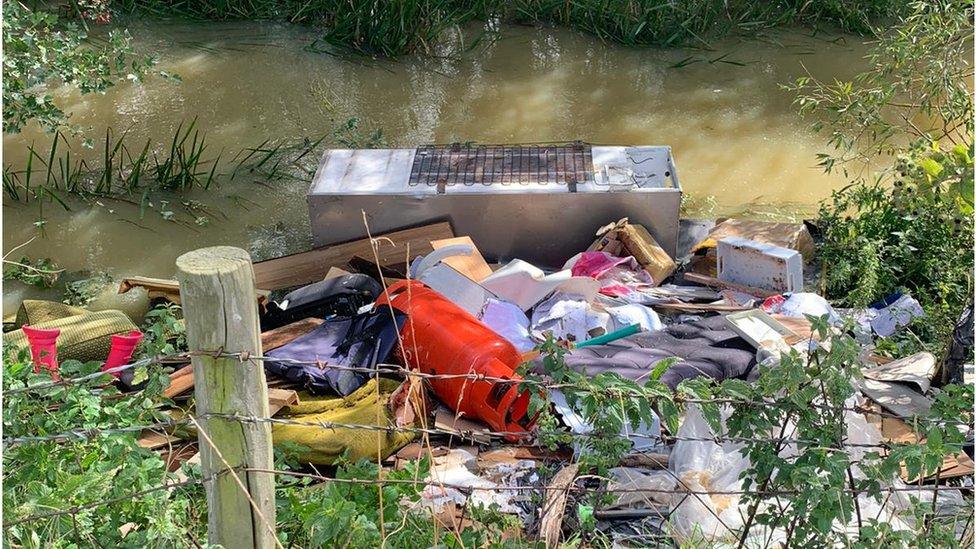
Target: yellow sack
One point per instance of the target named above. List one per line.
(323, 446)
(86, 336)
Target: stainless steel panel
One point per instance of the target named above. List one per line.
(542, 223)
(543, 229)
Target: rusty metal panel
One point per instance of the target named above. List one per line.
(443, 166)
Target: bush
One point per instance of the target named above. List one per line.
(914, 234)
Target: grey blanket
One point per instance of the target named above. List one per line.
(704, 348)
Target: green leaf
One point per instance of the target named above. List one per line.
(669, 414)
(661, 367)
(931, 167)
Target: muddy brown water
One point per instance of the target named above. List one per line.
(739, 144)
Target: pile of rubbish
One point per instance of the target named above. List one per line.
(341, 325)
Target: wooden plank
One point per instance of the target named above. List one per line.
(312, 266)
(180, 381)
(279, 337)
(163, 287)
(699, 308)
(152, 440)
(554, 505)
(716, 283)
(221, 311)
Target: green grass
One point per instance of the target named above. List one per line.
(390, 28)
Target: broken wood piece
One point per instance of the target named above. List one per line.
(152, 440)
(307, 267)
(472, 266)
(699, 307)
(554, 505)
(180, 383)
(281, 336)
(164, 288)
(188, 369)
(799, 326)
(281, 398)
(335, 272)
(367, 266)
(507, 454)
(469, 429)
(156, 287)
(713, 282)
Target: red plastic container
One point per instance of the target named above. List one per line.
(122, 348)
(441, 338)
(44, 348)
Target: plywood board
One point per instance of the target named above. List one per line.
(311, 266)
(472, 266)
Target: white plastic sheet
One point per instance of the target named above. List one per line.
(702, 465)
(526, 285)
(569, 317)
(508, 321)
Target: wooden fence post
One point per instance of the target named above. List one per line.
(220, 307)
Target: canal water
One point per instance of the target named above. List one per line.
(739, 145)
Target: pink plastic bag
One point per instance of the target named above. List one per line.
(619, 276)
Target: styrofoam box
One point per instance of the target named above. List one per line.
(751, 263)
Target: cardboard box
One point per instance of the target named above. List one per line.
(625, 239)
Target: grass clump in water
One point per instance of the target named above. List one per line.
(391, 28)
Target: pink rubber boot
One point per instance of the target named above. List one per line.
(44, 348)
(122, 348)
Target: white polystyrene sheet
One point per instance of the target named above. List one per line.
(364, 171)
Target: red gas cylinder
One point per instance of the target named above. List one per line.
(441, 338)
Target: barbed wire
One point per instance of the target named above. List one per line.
(87, 433)
(546, 488)
(93, 432)
(432, 481)
(475, 376)
(394, 369)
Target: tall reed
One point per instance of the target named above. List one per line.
(179, 166)
(391, 28)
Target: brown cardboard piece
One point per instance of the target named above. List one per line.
(794, 236)
(623, 239)
(472, 266)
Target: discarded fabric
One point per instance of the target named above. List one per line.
(508, 321)
(361, 341)
(704, 348)
(325, 446)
